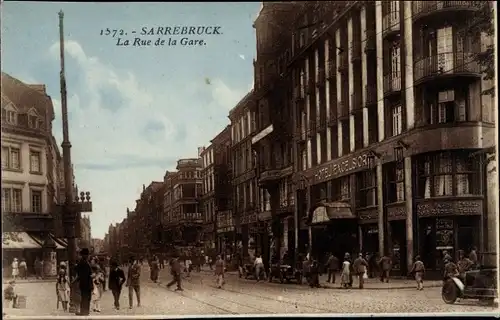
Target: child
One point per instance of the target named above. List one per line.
(62, 287)
(419, 270)
(10, 293)
(97, 280)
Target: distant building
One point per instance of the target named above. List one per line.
(97, 245)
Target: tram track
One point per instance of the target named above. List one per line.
(294, 304)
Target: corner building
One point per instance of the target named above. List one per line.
(388, 117)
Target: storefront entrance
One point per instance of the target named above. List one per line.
(370, 238)
(338, 237)
(398, 247)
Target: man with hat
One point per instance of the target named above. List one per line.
(84, 278)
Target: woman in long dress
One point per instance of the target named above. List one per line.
(345, 277)
(155, 268)
(62, 287)
(15, 269)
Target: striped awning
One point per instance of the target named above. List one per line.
(18, 241)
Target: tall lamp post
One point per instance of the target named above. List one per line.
(72, 206)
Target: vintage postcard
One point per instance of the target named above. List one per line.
(249, 158)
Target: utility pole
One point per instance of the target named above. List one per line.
(73, 205)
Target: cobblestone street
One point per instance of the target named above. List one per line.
(239, 296)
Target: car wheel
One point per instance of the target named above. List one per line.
(449, 292)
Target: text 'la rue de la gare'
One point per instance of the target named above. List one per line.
(195, 36)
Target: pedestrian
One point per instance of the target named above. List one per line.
(188, 263)
(107, 270)
(306, 268)
(15, 269)
(332, 266)
(175, 271)
(259, 267)
(115, 282)
(464, 264)
(359, 266)
(314, 274)
(38, 268)
(450, 269)
(9, 293)
(239, 262)
(23, 269)
(155, 269)
(418, 270)
(85, 283)
(219, 271)
(345, 276)
(372, 265)
(62, 287)
(385, 264)
(473, 257)
(446, 257)
(97, 280)
(133, 282)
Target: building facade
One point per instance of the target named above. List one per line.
(245, 188)
(182, 205)
(225, 218)
(30, 172)
(388, 115)
(85, 237)
(208, 197)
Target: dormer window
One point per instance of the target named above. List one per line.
(11, 117)
(33, 122)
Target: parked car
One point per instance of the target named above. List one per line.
(478, 284)
(285, 273)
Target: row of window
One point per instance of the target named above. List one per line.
(11, 159)
(12, 118)
(243, 127)
(12, 200)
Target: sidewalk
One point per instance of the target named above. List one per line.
(372, 283)
(30, 280)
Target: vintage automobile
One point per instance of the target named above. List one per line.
(285, 273)
(478, 284)
(248, 271)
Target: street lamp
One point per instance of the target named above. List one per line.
(72, 208)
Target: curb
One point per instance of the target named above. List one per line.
(406, 286)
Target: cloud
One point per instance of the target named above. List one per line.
(242, 56)
(127, 132)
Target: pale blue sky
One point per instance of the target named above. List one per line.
(133, 111)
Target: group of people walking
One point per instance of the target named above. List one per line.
(19, 268)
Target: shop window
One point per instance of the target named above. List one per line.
(367, 189)
(396, 184)
(447, 174)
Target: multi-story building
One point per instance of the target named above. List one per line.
(275, 126)
(85, 237)
(208, 197)
(245, 186)
(97, 245)
(182, 209)
(30, 175)
(388, 115)
(225, 219)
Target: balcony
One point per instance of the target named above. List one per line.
(300, 134)
(392, 84)
(342, 67)
(321, 77)
(425, 9)
(355, 51)
(446, 65)
(370, 95)
(332, 119)
(332, 72)
(342, 110)
(195, 217)
(321, 122)
(356, 103)
(390, 24)
(298, 93)
(311, 132)
(371, 41)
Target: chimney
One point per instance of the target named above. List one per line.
(38, 87)
(200, 151)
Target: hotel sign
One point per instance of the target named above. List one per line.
(340, 167)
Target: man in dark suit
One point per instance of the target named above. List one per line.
(84, 278)
(116, 281)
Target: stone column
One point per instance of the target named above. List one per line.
(409, 211)
(491, 210)
(380, 71)
(380, 209)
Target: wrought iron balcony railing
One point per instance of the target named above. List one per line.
(446, 64)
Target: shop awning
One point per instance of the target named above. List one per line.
(18, 241)
(325, 211)
(61, 243)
